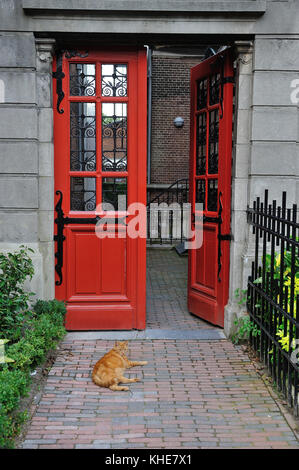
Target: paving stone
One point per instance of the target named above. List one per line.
(216, 421)
(192, 393)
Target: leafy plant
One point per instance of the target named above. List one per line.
(32, 332)
(13, 385)
(41, 333)
(10, 427)
(285, 277)
(241, 296)
(55, 308)
(244, 326)
(15, 268)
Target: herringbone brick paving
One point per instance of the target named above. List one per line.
(192, 394)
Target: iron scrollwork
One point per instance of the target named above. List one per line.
(221, 237)
(59, 238)
(59, 74)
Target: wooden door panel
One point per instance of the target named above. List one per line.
(83, 261)
(95, 316)
(210, 184)
(205, 257)
(96, 267)
(209, 245)
(113, 266)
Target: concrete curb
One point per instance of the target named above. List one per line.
(204, 334)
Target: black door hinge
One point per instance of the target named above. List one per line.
(226, 236)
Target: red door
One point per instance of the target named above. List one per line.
(210, 185)
(100, 154)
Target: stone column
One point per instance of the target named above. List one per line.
(239, 268)
(44, 55)
(18, 149)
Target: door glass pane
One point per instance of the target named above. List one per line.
(200, 192)
(114, 80)
(114, 136)
(214, 89)
(82, 79)
(82, 137)
(114, 191)
(201, 144)
(212, 195)
(202, 88)
(213, 141)
(83, 194)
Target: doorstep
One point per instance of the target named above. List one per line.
(149, 333)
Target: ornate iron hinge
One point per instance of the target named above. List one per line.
(219, 63)
(59, 75)
(221, 237)
(224, 81)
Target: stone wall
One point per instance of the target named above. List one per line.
(266, 150)
(26, 188)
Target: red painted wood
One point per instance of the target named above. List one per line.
(207, 296)
(104, 280)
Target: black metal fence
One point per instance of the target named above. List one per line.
(168, 214)
(273, 293)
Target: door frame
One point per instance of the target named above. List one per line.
(239, 248)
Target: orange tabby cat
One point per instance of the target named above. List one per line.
(108, 371)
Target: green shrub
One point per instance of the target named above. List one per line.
(41, 331)
(13, 385)
(41, 334)
(55, 308)
(33, 332)
(244, 326)
(10, 427)
(15, 268)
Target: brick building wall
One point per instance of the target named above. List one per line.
(170, 98)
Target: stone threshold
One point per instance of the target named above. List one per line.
(204, 334)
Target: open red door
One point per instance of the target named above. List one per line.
(100, 154)
(210, 184)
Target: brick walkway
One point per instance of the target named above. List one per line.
(193, 393)
(167, 274)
